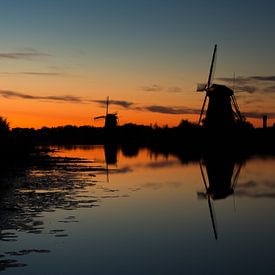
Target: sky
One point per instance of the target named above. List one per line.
(59, 60)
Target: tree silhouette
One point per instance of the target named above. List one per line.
(4, 127)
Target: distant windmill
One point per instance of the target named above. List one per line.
(110, 119)
(222, 110)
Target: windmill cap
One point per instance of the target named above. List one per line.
(219, 89)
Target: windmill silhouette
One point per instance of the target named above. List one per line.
(222, 110)
(111, 120)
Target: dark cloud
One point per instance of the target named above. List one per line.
(26, 55)
(66, 98)
(69, 98)
(251, 84)
(170, 110)
(12, 94)
(121, 103)
(243, 79)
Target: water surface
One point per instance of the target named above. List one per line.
(103, 210)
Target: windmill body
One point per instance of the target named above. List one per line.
(222, 110)
(219, 112)
(110, 121)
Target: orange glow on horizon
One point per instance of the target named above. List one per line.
(35, 113)
(38, 121)
(79, 117)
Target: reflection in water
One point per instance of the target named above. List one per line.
(110, 152)
(220, 179)
(53, 183)
(147, 211)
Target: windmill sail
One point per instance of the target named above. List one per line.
(99, 117)
(211, 71)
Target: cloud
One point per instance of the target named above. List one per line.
(121, 103)
(26, 55)
(243, 79)
(251, 84)
(171, 110)
(66, 98)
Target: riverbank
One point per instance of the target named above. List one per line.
(189, 137)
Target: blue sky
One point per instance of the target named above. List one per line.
(238, 26)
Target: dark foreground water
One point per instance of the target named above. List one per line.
(96, 211)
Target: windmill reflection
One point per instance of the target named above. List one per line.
(220, 175)
(110, 152)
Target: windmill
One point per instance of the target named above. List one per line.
(110, 119)
(222, 110)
